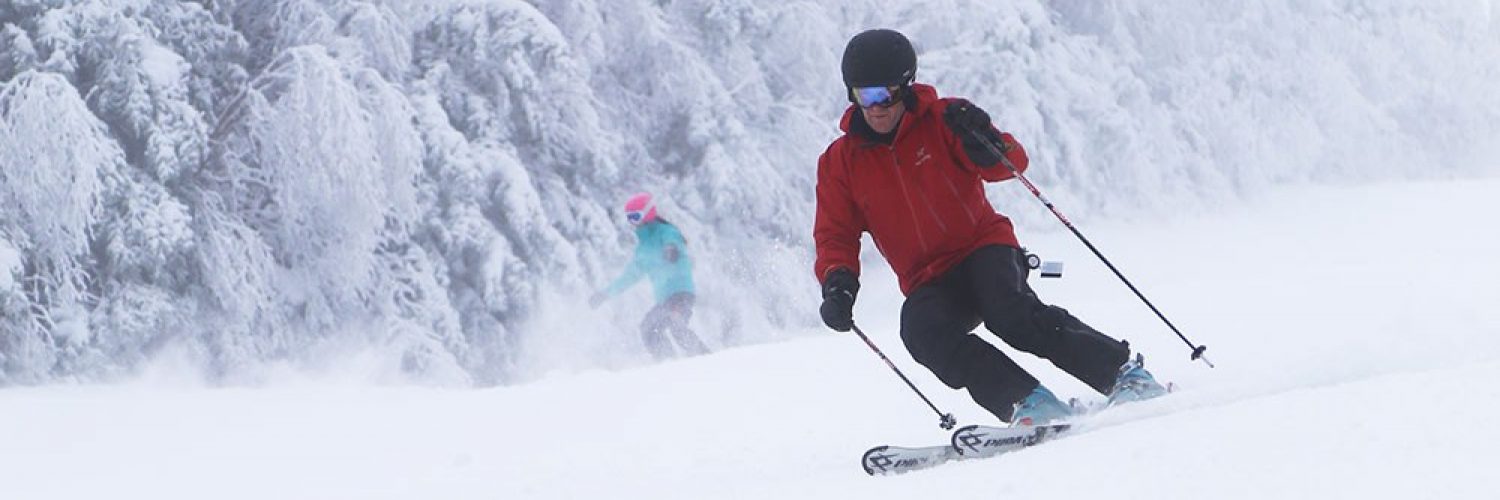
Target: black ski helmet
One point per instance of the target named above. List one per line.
(879, 57)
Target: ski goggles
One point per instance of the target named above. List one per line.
(877, 97)
(639, 215)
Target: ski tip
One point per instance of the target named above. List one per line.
(888, 460)
(864, 460)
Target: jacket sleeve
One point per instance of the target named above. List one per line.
(838, 223)
(673, 246)
(1014, 153)
(629, 276)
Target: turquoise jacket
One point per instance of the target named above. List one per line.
(660, 254)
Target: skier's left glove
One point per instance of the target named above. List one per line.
(839, 290)
(964, 119)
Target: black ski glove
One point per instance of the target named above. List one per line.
(839, 290)
(963, 117)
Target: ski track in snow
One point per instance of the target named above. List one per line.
(1354, 329)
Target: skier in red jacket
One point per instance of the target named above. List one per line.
(908, 171)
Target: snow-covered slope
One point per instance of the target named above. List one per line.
(1354, 330)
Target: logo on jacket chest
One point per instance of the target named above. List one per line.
(921, 156)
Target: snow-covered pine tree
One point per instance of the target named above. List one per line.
(54, 157)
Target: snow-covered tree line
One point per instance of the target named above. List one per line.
(269, 180)
(249, 182)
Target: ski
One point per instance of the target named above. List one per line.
(978, 441)
(886, 460)
(973, 441)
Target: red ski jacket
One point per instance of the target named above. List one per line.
(920, 198)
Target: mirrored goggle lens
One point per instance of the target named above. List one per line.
(634, 216)
(869, 97)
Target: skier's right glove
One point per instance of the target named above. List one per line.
(839, 290)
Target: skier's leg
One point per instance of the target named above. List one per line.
(682, 314)
(935, 324)
(1012, 310)
(653, 332)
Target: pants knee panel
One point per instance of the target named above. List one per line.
(940, 355)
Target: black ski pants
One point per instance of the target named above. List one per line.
(989, 287)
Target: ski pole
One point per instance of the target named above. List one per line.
(999, 151)
(945, 420)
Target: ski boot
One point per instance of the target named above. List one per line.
(1134, 383)
(1039, 408)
